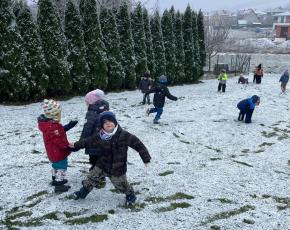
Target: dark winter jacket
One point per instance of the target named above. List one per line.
(247, 107)
(93, 123)
(285, 77)
(114, 158)
(55, 139)
(160, 92)
(144, 84)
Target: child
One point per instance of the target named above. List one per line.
(55, 141)
(223, 77)
(96, 105)
(243, 80)
(160, 92)
(258, 74)
(113, 141)
(144, 86)
(284, 80)
(247, 107)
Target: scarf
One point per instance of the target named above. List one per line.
(105, 136)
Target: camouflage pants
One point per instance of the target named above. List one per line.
(95, 176)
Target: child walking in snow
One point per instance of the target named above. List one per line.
(247, 107)
(222, 78)
(96, 105)
(284, 80)
(113, 142)
(55, 141)
(258, 74)
(144, 86)
(160, 92)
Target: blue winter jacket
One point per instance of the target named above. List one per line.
(247, 107)
(284, 78)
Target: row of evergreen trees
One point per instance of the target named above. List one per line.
(93, 48)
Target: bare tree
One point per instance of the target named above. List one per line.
(216, 31)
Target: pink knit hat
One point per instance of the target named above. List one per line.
(93, 96)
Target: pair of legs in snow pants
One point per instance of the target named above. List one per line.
(158, 112)
(257, 79)
(146, 98)
(222, 86)
(58, 175)
(248, 114)
(283, 86)
(94, 179)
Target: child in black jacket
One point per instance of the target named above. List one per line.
(160, 92)
(113, 142)
(96, 105)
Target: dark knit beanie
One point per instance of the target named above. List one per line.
(107, 116)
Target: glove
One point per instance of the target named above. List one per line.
(70, 125)
(72, 149)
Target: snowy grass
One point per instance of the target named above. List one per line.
(208, 170)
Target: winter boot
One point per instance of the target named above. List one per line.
(61, 188)
(58, 178)
(155, 121)
(81, 194)
(130, 199)
(57, 183)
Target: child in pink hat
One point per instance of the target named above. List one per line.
(96, 105)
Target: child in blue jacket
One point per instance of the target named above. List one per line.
(247, 107)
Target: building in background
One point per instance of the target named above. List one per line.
(281, 25)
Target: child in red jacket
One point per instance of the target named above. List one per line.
(55, 141)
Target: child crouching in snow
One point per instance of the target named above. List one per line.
(113, 142)
(243, 80)
(55, 141)
(247, 107)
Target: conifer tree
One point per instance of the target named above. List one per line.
(126, 46)
(200, 28)
(179, 53)
(149, 44)
(197, 69)
(189, 66)
(158, 45)
(139, 42)
(54, 47)
(112, 42)
(169, 44)
(76, 49)
(95, 48)
(14, 84)
(35, 61)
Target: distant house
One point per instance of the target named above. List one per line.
(228, 18)
(248, 15)
(268, 19)
(281, 25)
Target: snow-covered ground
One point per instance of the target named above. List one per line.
(208, 170)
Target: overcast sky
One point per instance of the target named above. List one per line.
(209, 5)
